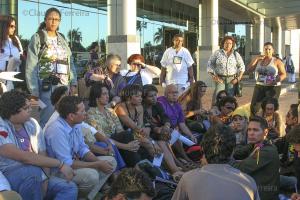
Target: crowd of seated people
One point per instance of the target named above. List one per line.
(87, 147)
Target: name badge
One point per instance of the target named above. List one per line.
(61, 68)
(177, 60)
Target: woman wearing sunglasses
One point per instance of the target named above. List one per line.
(139, 73)
(10, 48)
(226, 106)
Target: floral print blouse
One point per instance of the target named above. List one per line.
(106, 123)
(221, 64)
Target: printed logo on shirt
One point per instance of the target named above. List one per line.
(177, 60)
(4, 134)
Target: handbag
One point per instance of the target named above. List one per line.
(238, 89)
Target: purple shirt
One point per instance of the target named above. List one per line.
(23, 139)
(173, 111)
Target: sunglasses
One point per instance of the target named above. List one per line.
(137, 64)
(12, 26)
(229, 107)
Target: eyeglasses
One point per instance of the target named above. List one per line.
(53, 19)
(118, 65)
(81, 113)
(12, 26)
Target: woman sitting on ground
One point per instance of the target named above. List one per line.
(160, 125)
(215, 108)
(107, 123)
(226, 106)
(131, 114)
(269, 108)
(191, 102)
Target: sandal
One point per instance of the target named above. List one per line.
(177, 176)
(187, 165)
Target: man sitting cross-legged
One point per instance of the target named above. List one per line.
(65, 142)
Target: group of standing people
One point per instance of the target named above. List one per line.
(140, 126)
(226, 67)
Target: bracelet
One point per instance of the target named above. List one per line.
(61, 164)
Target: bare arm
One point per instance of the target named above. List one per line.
(191, 74)
(252, 65)
(89, 161)
(12, 152)
(281, 70)
(152, 69)
(163, 75)
(125, 119)
(192, 113)
(185, 129)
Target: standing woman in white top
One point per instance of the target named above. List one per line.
(269, 72)
(10, 48)
(139, 73)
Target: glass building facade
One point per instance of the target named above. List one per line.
(84, 22)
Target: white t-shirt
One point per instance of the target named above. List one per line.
(177, 65)
(9, 49)
(146, 75)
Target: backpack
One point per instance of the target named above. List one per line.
(290, 67)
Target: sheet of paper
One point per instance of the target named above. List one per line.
(157, 160)
(174, 136)
(42, 105)
(9, 76)
(186, 141)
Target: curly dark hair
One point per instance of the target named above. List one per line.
(227, 99)
(95, 93)
(132, 183)
(228, 38)
(57, 94)
(11, 102)
(68, 105)
(148, 88)
(270, 100)
(218, 144)
(130, 90)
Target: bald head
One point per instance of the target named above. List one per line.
(171, 93)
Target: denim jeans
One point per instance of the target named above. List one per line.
(45, 97)
(59, 188)
(288, 182)
(27, 181)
